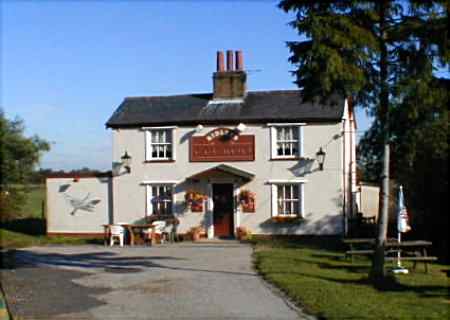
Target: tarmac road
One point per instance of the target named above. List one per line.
(173, 281)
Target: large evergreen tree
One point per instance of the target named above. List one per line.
(419, 131)
(368, 50)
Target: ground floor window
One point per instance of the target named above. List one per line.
(287, 199)
(160, 199)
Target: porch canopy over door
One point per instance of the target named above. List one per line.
(223, 168)
(223, 181)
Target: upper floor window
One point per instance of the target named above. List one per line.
(286, 141)
(160, 144)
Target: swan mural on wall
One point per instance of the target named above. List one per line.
(87, 203)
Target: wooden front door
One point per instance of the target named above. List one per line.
(223, 210)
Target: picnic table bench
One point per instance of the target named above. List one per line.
(415, 251)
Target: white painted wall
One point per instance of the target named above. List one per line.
(323, 190)
(61, 214)
(368, 200)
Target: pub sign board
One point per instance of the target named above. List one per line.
(222, 144)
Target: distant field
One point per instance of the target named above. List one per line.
(33, 205)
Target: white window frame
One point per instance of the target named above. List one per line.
(148, 143)
(150, 196)
(273, 139)
(301, 196)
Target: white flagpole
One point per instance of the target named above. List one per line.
(399, 238)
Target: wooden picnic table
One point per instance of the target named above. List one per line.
(415, 250)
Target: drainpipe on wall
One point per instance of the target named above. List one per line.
(344, 179)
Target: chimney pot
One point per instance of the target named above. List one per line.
(220, 62)
(230, 83)
(239, 60)
(230, 60)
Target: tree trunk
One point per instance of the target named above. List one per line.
(377, 271)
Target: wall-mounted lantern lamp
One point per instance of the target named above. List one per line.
(199, 128)
(320, 156)
(126, 161)
(241, 128)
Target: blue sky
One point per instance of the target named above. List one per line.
(66, 66)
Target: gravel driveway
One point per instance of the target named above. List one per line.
(174, 281)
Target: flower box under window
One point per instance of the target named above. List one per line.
(286, 219)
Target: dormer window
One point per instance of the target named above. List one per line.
(160, 144)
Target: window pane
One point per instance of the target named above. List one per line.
(295, 191)
(280, 192)
(295, 133)
(294, 149)
(287, 194)
(154, 136)
(279, 149)
(168, 136)
(286, 149)
(296, 206)
(286, 133)
(279, 133)
(289, 133)
(288, 208)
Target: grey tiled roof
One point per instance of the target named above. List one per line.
(192, 109)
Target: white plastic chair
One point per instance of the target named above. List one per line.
(169, 230)
(147, 235)
(158, 228)
(116, 232)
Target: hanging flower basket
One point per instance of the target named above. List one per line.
(195, 201)
(247, 200)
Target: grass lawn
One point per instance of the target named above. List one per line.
(329, 286)
(10, 239)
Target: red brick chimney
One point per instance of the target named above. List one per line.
(230, 60)
(239, 61)
(230, 83)
(220, 63)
